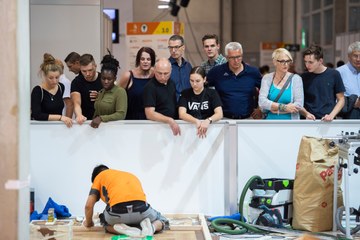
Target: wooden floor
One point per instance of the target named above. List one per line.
(166, 235)
(182, 226)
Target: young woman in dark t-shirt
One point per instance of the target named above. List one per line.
(47, 98)
(199, 105)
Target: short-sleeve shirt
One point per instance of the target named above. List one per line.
(236, 91)
(207, 65)
(320, 91)
(162, 97)
(351, 79)
(114, 187)
(80, 85)
(200, 106)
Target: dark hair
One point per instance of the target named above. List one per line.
(86, 59)
(314, 50)
(49, 64)
(264, 69)
(329, 65)
(210, 36)
(72, 57)
(148, 50)
(199, 70)
(110, 63)
(340, 63)
(98, 169)
(177, 37)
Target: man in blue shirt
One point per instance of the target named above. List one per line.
(180, 68)
(236, 83)
(350, 74)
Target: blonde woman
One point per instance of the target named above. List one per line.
(281, 92)
(47, 98)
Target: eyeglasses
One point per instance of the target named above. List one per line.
(234, 57)
(175, 47)
(284, 62)
(355, 56)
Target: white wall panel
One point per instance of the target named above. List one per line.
(180, 174)
(60, 27)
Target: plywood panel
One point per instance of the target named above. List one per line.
(182, 226)
(9, 136)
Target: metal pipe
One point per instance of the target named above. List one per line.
(336, 168)
(347, 203)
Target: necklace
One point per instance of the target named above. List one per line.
(280, 79)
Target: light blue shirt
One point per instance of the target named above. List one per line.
(285, 98)
(351, 79)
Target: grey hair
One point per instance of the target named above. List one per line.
(232, 46)
(355, 46)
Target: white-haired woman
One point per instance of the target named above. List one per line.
(281, 92)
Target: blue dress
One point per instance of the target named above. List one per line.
(284, 99)
(136, 109)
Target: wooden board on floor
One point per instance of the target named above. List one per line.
(182, 226)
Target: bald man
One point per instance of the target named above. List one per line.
(160, 96)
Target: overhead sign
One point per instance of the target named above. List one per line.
(292, 47)
(150, 34)
(150, 28)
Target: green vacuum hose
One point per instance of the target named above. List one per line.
(218, 224)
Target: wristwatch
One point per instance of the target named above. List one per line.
(210, 120)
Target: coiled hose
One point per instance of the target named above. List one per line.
(338, 219)
(242, 227)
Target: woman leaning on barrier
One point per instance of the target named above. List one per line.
(199, 105)
(281, 92)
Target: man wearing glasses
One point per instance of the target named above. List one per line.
(323, 87)
(211, 48)
(350, 73)
(236, 83)
(181, 68)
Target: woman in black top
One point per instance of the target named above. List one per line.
(47, 98)
(200, 105)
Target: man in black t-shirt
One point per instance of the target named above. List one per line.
(84, 89)
(323, 87)
(160, 96)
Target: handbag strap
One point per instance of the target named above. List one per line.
(283, 87)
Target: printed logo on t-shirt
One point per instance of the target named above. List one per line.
(198, 106)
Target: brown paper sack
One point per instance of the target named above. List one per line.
(314, 185)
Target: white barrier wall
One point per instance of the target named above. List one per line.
(181, 174)
(269, 149)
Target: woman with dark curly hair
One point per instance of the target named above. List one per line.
(111, 102)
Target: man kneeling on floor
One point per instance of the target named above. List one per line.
(125, 204)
